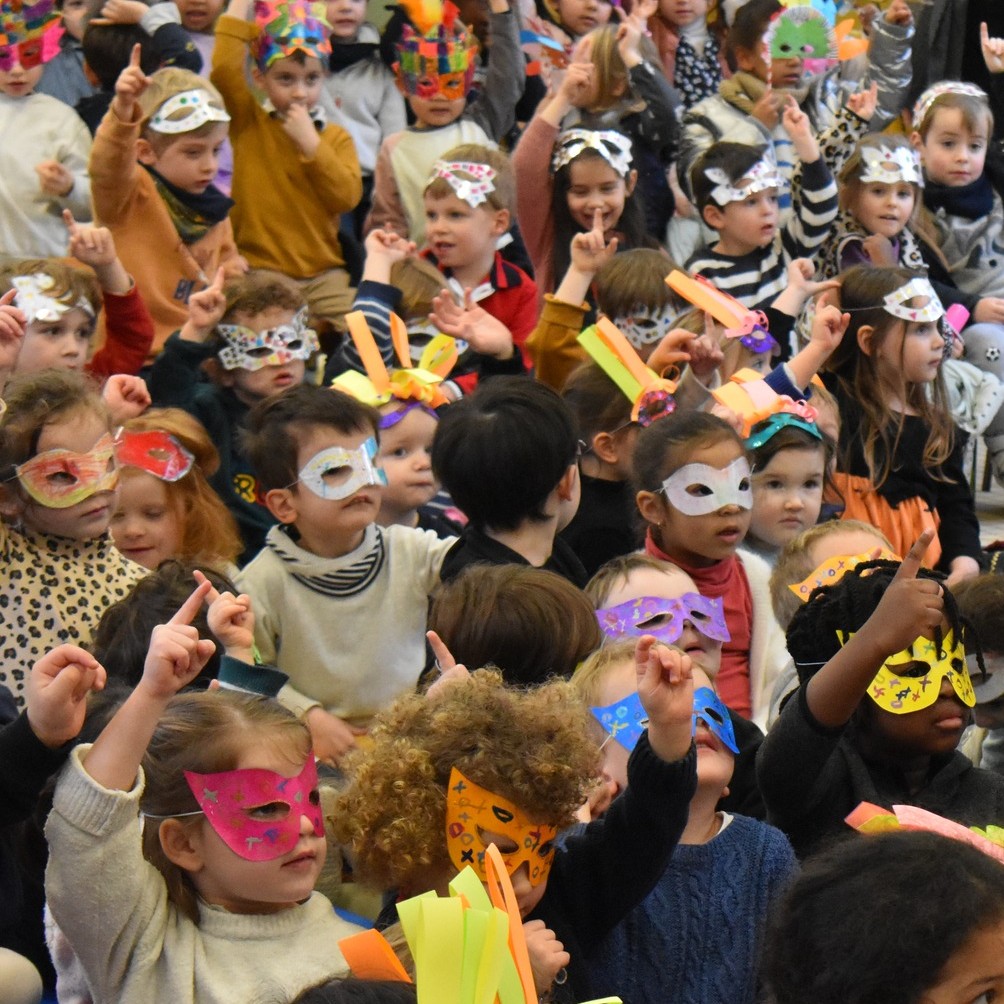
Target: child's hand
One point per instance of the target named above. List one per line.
(993, 52)
(728, 415)
(177, 654)
(231, 619)
(121, 12)
(864, 103)
(589, 250)
(301, 130)
(961, 568)
(666, 689)
(767, 109)
(880, 251)
(12, 323)
(132, 82)
(484, 333)
(828, 327)
(54, 179)
(90, 244)
(577, 80)
(802, 279)
(126, 397)
(388, 244)
(56, 693)
(547, 955)
(989, 309)
(450, 671)
(631, 29)
(798, 127)
(672, 349)
(898, 13)
(205, 310)
(705, 357)
(331, 737)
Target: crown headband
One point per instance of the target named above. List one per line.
(924, 102)
(288, 27)
(761, 176)
(887, 166)
(33, 299)
(613, 147)
(473, 190)
(199, 106)
(895, 303)
(438, 58)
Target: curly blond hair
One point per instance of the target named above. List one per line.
(529, 746)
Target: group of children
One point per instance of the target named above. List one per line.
(380, 503)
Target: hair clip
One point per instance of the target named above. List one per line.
(613, 147)
(887, 166)
(473, 190)
(753, 333)
(761, 176)
(32, 297)
(199, 106)
(927, 99)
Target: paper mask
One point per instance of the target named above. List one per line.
(799, 33)
(471, 811)
(927, 99)
(285, 28)
(895, 303)
(716, 488)
(889, 166)
(257, 813)
(624, 721)
(336, 473)
(155, 452)
(26, 33)
(439, 58)
(390, 420)
(58, 479)
(915, 688)
(831, 571)
(613, 147)
(254, 350)
(708, 708)
(762, 176)
(192, 109)
(472, 183)
(664, 619)
(33, 299)
(644, 327)
(769, 428)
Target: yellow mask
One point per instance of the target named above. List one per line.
(472, 810)
(831, 571)
(917, 688)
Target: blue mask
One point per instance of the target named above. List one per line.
(709, 709)
(623, 720)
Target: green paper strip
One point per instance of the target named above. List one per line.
(601, 354)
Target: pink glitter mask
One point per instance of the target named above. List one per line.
(256, 812)
(664, 619)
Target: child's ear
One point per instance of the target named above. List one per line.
(605, 448)
(916, 141)
(145, 153)
(501, 220)
(713, 216)
(180, 845)
(629, 182)
(652, 507)
(257, 76)
(866, 338)
(566, 486)
(281, 503)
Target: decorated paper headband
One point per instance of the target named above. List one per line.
(27, 33)
(799, 33)
(377, 385)
(287, 27)
(748, 395)
(761, 176)
(37, 304)
(887, 166)
(749, 326)
(896, 302)
(155, 452)
(439, 57)
(831, 571)
(198, 107)
(651, 396)
(471, 182)
(924, 102)
(613, 147)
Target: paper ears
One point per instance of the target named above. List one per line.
(749, 396)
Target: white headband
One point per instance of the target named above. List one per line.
(889, 166)
(924, 102)
(38, 305)
(761, 176)
(895, 303)
(200, 111)
(613, 147)
(473, 190)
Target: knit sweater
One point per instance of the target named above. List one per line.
(348, 631)
(134, 945)
(287, 205)
(696, 938)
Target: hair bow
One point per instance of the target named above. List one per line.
(613, 147)
(650, 394)
(377, 385)
(754, 401)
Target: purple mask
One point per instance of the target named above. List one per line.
(664, 619)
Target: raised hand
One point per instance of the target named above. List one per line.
(631, 29)
(993, 51)
(450, 671)
(590, 250)
(177, 654)
(767, 110)
(56, 693)
(331, 737)
(230, 618)
(132, 82)
(828, 325)
(121, 12)
(12, 322)
(898, 13)
(126, 396)
(864, 103)
(484, 333)
(666, 689)
(90, 244)
(205, 310)
(674, 348)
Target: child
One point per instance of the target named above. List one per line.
(290, 224)
(166, 507)
(694, 492)
(899, 460)
(478, 763)
(567, 21)
(43, 164)
(435, 71)
(155, 156)
(64, 76)
(880, 709)
(320, 600)
(858, 904)
(680, 944)
(259, 346)
(223, 903)
(690, 38)
(736, 191)
(508, 456)
(58, 494)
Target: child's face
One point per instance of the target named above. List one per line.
(288, 82)
(436, 111)
(787, 495)
(912, 352)
(78, 432)
(683, 12)
(345, 18)
(951, 154)
(190, 162)
(146, 526)
(839, 543)
(252, 386)
(782, 73)
(973, 973)
(199, 15)
(670, 584)
(459, 234)
(594, 184)
(578, 17)
(885, 209)
(62, 344)
(745, 226)
(405, 458)
(73, 17)
(18, 82)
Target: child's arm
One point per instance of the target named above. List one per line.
(12, 325)
(386, 209)
(495, 109)
(229, 72)
(889, 59)
(828, 327)
(484, 333)
(814, 204)
(205, 310)
(231, 619)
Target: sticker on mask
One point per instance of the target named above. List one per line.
(708, 708)
(911, 679)
(254, 350)
(898, 302)
(257, 813)
(155, 452)
(699, 489)
(665, 619)
(472, 812)
(624, 721)
(336, 473)
(58, 479)
(831, 571)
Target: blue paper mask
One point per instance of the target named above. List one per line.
(709, 709)
(623, 720)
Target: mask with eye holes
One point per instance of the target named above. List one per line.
(336, 473)
(247, 349)
(665, 619)
(700, 489)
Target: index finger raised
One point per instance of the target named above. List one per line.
(212, 593)
(444, 657)
(134, 57)
(914, 559)
(185, 614)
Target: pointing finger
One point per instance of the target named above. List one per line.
(185, 614)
